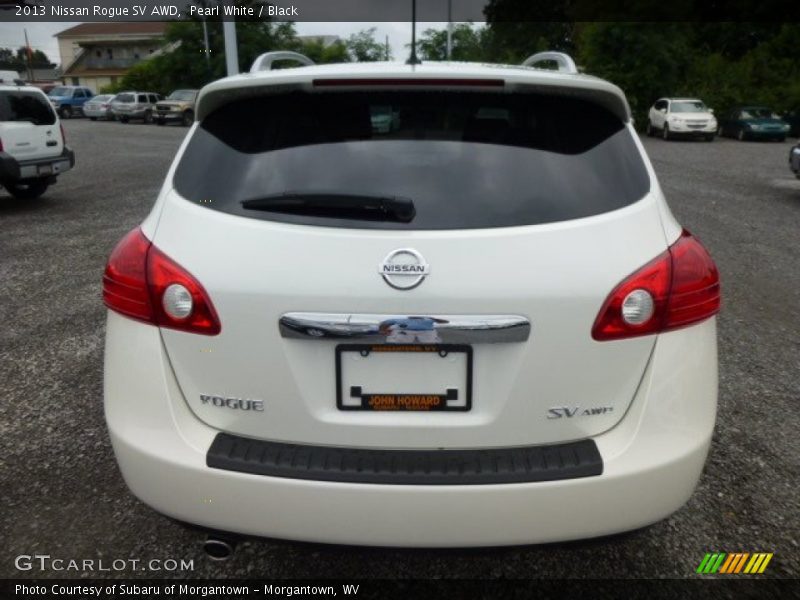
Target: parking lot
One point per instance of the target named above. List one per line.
(64, 495)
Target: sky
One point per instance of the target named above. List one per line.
(41, 37)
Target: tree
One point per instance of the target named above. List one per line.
(185, 64)
(363, 47)
(317, 51)
(468, 43)
(39, 59)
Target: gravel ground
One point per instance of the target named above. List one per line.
(63, 494)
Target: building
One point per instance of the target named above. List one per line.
(97, 54)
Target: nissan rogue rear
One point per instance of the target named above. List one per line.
(475, 324)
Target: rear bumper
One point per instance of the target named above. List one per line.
(131, 114)
(12, 169)
(168, 116)
(652, 460)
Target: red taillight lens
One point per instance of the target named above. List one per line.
(136, 279)
(683, 284)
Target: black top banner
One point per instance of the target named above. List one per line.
(400, 10)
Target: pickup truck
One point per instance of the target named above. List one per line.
(68, 100)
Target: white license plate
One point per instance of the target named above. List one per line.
(419, 378)
(45, 170)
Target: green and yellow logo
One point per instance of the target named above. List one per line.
(734, 562)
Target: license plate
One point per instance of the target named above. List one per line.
(45, 170)
(417, 378)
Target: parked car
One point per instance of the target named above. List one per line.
(68, 100)
(681, 117)
(794, 160)
(557, 371)
(99, 107)
(10, 78)
(178, 107)
(33, 152)
(128, 106)
(753, 123)
(792, 117)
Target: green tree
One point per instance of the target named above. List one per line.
(317, 51)
(646, 60)
(183, 62)
(39, 59)
(468, 43)
(363, 47)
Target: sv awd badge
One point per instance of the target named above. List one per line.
(560, 412)
(233, 403)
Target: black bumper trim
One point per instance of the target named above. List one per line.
(406, 467)
(10, 167)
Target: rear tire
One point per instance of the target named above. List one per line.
(160, 122)
(741, 136)
(148, 117)
(123, 119)
(66, 112)
(93, 118)
(710, 137)
(782, 139)
(188, 118)
(28, 190)
(665, 133)
(648, 130)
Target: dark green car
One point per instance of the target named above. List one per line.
(753, 123)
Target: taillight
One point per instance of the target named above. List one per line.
(143, 283)
(678, 288)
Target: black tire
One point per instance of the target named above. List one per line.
(29, 190)
(160, 122)
(93, 118)
(782, 139)
(665, 133)
(124, 119)
(148, 117)
(720, 131)
(188, 118)
(648, 130)
(710, 137)
(741, 136)
(66, 112)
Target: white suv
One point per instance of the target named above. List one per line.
(32, 148)
(681, 117)
(477, 324)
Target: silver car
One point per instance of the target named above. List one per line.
(99, 107)
(140, 106)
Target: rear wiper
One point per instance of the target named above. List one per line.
(337, 205)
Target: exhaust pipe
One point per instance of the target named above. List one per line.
(218, 548)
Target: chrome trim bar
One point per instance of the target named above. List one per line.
(405, 329)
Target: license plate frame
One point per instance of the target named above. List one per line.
(46, 169)
(404, 402)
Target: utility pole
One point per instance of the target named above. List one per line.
(28, 56)
(449, 29)
(231, 47)
(413, 60)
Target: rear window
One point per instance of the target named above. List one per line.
(125, 98)
(464, 159)
(26, 106)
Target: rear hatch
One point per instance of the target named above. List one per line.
(525, 206)
(28, 125)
